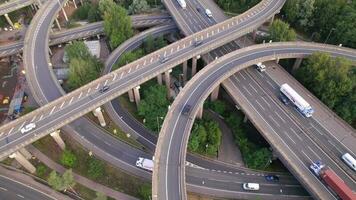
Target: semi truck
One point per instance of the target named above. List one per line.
(333, 181)
(182, 4)
(145, 163)
(301, 105)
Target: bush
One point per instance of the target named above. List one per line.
(96, 168)
(68, 159)
(41, 170)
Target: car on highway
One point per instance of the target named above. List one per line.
(163, 59)
(28, 128)
(261, 67)
(104, 89)
(284, 99)
(272, 178)
(186, 109)
(208, 13)
(349, 160)
(251, 186)
(316, 167)
(198, 9)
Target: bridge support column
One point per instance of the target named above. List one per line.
(81, 2)
(200, 113)
(97, 113)
(55, 135)
(58, 25)
(64, 14)
(271, 20)
(131, 96)
(50, 51)
(214, 95)
(22, 160)
(39, 3)
(25, 153)
(137, 96)
(9, 20)
(277, 60)
(185, 71)
(297, 63)
(194, 65)
(75, 5)
(159, 79)
(245, 119)
(254, 34)
(167, 80)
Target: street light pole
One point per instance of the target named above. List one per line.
(327, 38)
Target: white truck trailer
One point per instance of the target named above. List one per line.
(145, 163)
(298, 101)
(182, 4)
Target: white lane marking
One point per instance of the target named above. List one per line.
(314, 153)
(144, 63)
(269, 83)
(11, 130)
(33, 119)
(274, 120)
(62, 104)
(151, 59)
(247, 90)
(242, 76)
(21, 125)
(19, 195)
(253, 87)
(106, 82)
(311, 124)
(337, 148)
(307, 157)
(296, 134)
(113, 79)
(284, 121)
(41, 117)
(129, 70)
(52, 110)
(88, 91)
(289, 137)
(121, 75)
(71, 100)
(269, 105)
(1, 188)
(97, 86)
(260, 105)
(80, 95)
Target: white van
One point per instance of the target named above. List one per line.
(251, 186)
(349, 160)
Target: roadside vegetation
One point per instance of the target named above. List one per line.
(333, 81)
(236, 6)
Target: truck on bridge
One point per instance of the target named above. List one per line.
(298, 101)
(182, 3)
(332, 180)
(145, 163)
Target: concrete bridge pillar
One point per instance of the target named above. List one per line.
(81, 2)
(137, 96)
(9, 20)
(58, 25)
(214, 95)
(99, 114)
(50, 51)
(185, 71)
(254, 34)
(25, 153)
(55, 135)
(131, 95)
(245, 119)
(23, 162)
(159, 79)
(64, 14)
(75, 5)
(194, 65)
(167, 80)
(39, 3)
(200, 113)
(297, 63)
(277, 60)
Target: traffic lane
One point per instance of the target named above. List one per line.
(320, 134)
(11, 189)
(285, 124)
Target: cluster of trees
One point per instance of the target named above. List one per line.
(333, 81)
(205, 137)
(60, 183)
(280, 32)
(236, 6)
(88, 11)
(145, 192)
(329, 20)
(83, 67)
(154, 106)
(152, 44)
(254, 155)
(117, 24)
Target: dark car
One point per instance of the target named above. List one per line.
(163, 59)
(273, 178)
(198, 9)
(284, 99)
(186, 109)
(198, 42)
(104, 89)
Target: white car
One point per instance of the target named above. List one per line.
(251, 186)
(261, 67)
(28, 128)
(208, 13)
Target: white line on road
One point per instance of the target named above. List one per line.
(21, 125)
(274, 120)
(253, 87)
(52, 110)
(41, 117)
(269, 83)
(247, 90)
(242, 76)
(269, 105)
(62, 104)
(19, 195)
(289, 137)
(88, 91)
(11, 130)
(295, 133)
(307, 156)
(71, 100)
(316, 129)
(1, 188)
(106, 82)
(314, 153)
(121, 75)
(335, 146)
(97, 86)
(260, 105)
(284, 121)
(33, 119)
(80, 95)
(129, 70)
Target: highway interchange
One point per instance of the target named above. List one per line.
(45, 64)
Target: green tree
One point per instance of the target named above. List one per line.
(55, 181)
(151, 44)
(82, 71)
(77, 50)
(105, 6)
(94, 13)
(198, 137)
(68, 179)
(306, 8)
(259, 159)
(128, 57)
(217, 106)
(68, 159)
(96, 168)
(100, 196)
(41, 170)
(138, 6)
(280, 31)
(117, 25)
(145, 192)
(154, 106)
